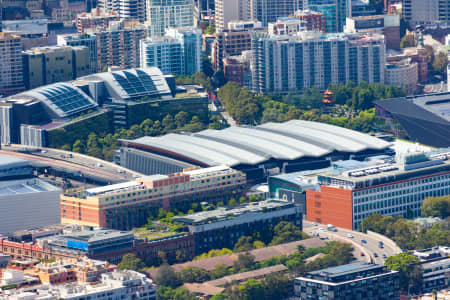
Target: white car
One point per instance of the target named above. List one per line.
(314, 224)
(349, 236)
(322, 229)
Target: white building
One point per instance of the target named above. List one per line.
(231, 10)
(286, 25)
(127, 9)
(425, 11)
(123, 285)
(178, 52)
(164, 14)
(403, 74)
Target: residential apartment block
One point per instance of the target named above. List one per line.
(334, 12)
(312, 59)
(164, 14)
(313, 20)
(360, 280)
(222, 227)
(48, 65)
(425, 12)
(127, 205)
(96, 20)
(435, 263)
(129, 10)
(386, 187)
(11, 70)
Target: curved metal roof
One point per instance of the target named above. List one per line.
(253, 145)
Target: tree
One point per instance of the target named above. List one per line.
(244, 261)
(440, 63)
(277, 287)
(168, 293)
(436, 207)
(207, 66)
(78, 146)
(409, 270)
(251, 290)
(220, 296)
(181, 119)
(131, 262)
(244, 243)
(166, 276)
(168, 122)
(408, 41)
(219, 271)
(286, 232)
(92, 146)
(194, 274)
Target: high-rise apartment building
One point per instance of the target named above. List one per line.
(191, 42)
(267, 11)
(127, 9)
(96, 20)
(312, 59)
(127, 205)
(425, 12)
(231, 10)
(312, 20)
(11, 70)
(87, 40)
(48, 65)
(334, 12)
(164, 14)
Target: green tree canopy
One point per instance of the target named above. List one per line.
(440, 63)
(130, 262)
(168, 293)
(410, 272)
(286, 232)
(166, 276)
(408, 41)
(244, 243)
(194, 274)
(436, 207)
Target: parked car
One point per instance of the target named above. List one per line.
(350, 236)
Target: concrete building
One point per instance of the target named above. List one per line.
(237, 69)
(423, 118)
(233, 41)
(334, 12)
(425, 12)
(267, 11)
(146, 195)
(222, 227)
(388, 25)
(86, 40)
(435, 263)
(33, 32)
(178, 52)
(11, 69)
(227, 11)
(129, 10)
(26, 203)
(312, 59)
(362, 8)
(417, 55)
(14, 168)
(313, 20)
(286, 26)
(164, 14)
(361, 189)
(403, 74)
(97, 20)
(360, 280)
(125, 285)
(48, 65)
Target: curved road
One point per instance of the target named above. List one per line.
(370, 248)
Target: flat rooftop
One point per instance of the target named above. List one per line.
(224, 213)
(12, 162)
(96, 235)
(25, 186)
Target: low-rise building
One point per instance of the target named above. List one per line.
(312, 20)
(361, 280)
(417, 55)
(96, 20)
(286, 25)
(351, 192)
(435, 263)
(222, 227)
(403, 74)
(237, 69)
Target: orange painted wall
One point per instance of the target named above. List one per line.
(330, 206)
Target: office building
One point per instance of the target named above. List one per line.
(334, 12)
(127, 285)
(178, 52)
(33, 32)
(222, 227)
(435, 263)
(403, 74)
(140, 199)
(424, 119)
(233, 41)
(227, 11)
(387, 25)
(129, 10)
(312, 59)
(270, 148)
(362, 8)
(313, 20)
(267, 11)
(417, 55)
(97, 20)
(11, 69)
(87, 40)
(164, 14)
(360, 280)
(237, 69)
(425, 12)
(286, 26)
(383, 186)
(26, 203)
(48, 65)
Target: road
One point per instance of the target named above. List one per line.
(72, 162)
(369, 249)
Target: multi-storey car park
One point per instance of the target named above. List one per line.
(387, 186)
(257, 151)
(127, 205)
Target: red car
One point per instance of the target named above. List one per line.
(362, 254)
